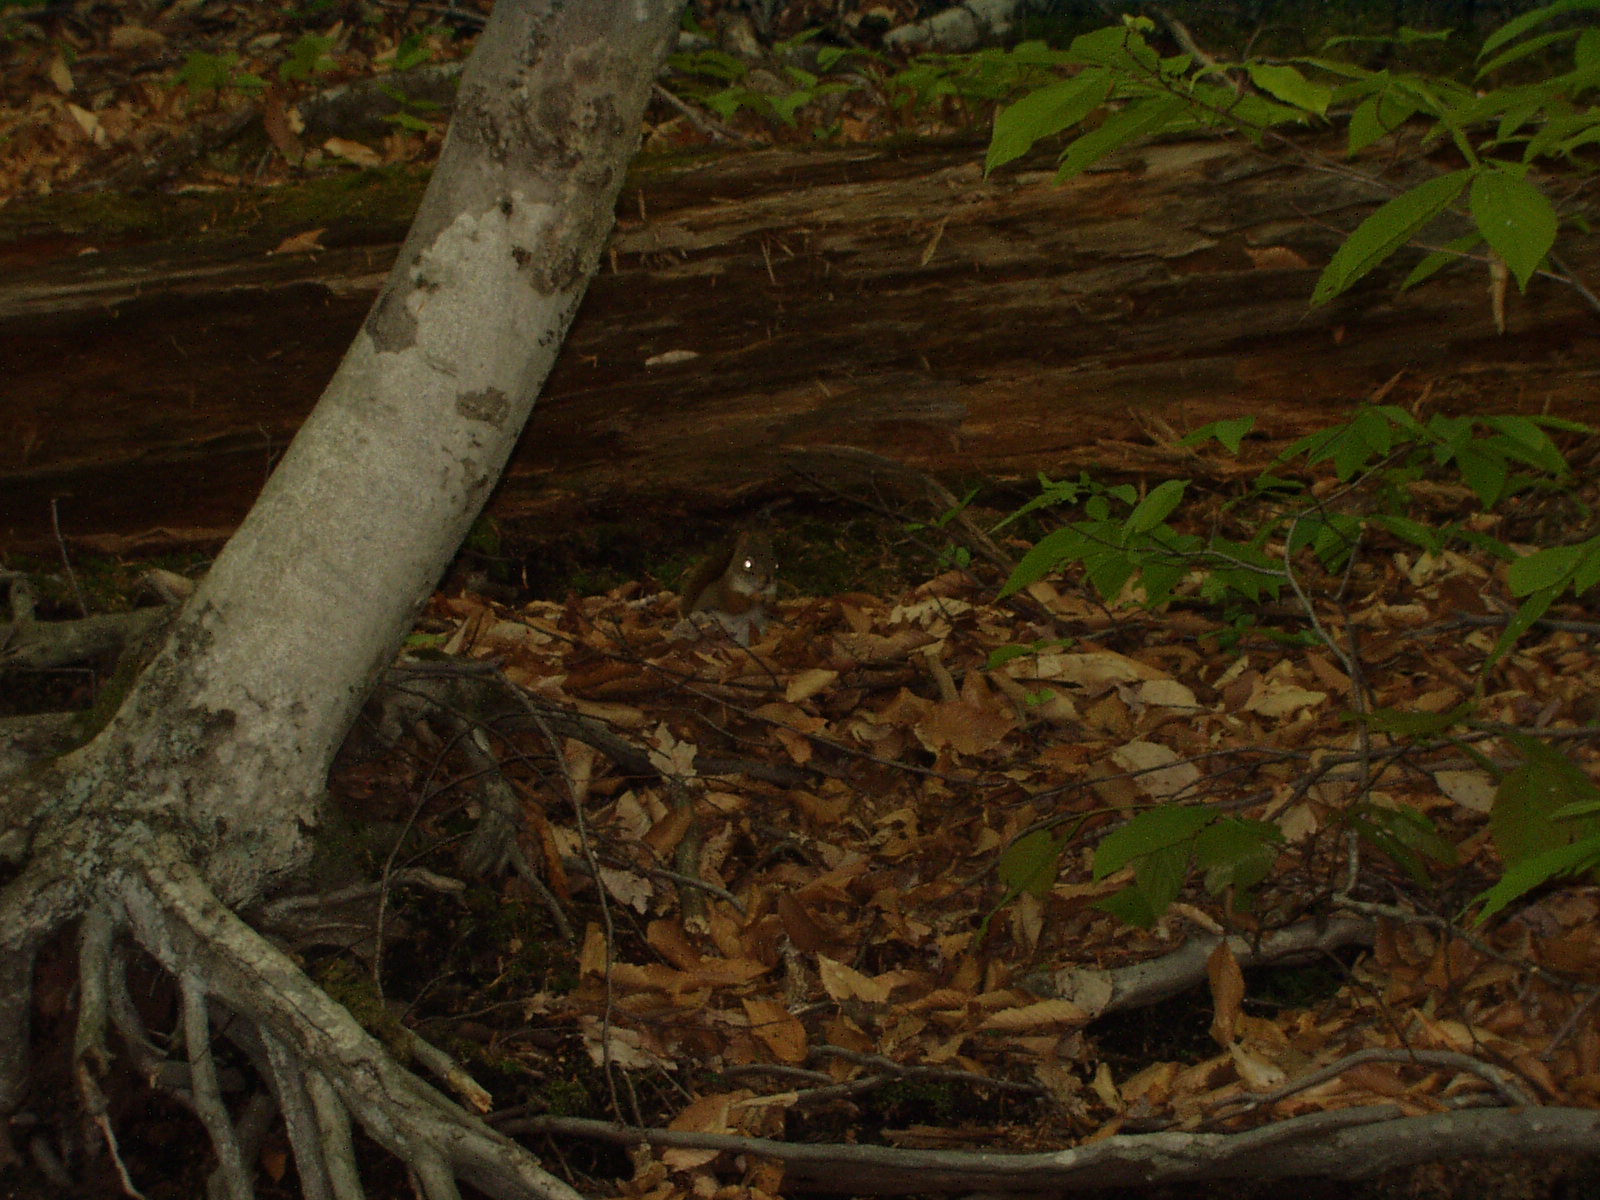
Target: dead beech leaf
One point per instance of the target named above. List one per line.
(1471, 789)
(793, 717)
(1277, 698)
(799, 747)
(1092, 669)
(777, 1028)
(1376, 1077)
(847, 983)
(90, 124)
(629, 889)
(728, 972)
(707, 1114)
(977, 722)
(1089, 988)
(623, 716)
(1257, 1073)
(874, 649)
(592, 958)
(1158, 772)
(136, 37)
(671, 358)
(1105, 1087)
(1153, 1085)
(1165, 693)
(666, 833)
(667, 939)
(671, 756)
(807, 684)
(300, 243)
(279, 120)
(352, 151)
(1227, 993)
(1276, 258)
(1042, 1014)
(625, 1048)
(930, 611)
(61, 74)
(801, 928)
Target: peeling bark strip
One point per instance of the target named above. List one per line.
(203, 789)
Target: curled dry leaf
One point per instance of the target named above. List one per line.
(847, 983)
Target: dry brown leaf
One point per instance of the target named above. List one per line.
(60, 74)
(847, 983)
(592, 958)
(667, 939)
(1156, 770)
(808, 683)
(707, 1114)
(666, 833)
(353, 151)
(1258, 1073)
(1227, 993)
(1279, 698)
(777, 1028)
(1042, 1014)
(304, 243)
(798, 924)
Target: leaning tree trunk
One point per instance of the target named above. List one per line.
(203, 790)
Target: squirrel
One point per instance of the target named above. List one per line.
(733, 585)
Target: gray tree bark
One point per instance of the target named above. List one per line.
(203, 790)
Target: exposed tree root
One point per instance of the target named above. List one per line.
(216, 956)
(1141, 984)
(323, 1068)
(1349, 1143)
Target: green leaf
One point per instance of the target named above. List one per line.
(1523, 821)
(307, 56)
(1061, 546)
(1530, 873)
(409, 121)
(1236, 852)
(1405, 835)
(1129, 906)
(1534, 607)
(1030, 864)
(1160, 828)
(1415, 532)
(1515, 219)
(1044, 113)
(1551, 567)
(1156, 507)
(1377, 117)
(1405, 724)
(1159, 875)
(1407, 36)
(1160, 578)
(1454, 252)
(1520, 25)
(1109, 571)
(1533, 443)
(1522, 49)
(1288, 85)
(1484, 471)
(1140, 119)
(1001, 655)
(1118, 46)
(1230, 432)
(1386, 230)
